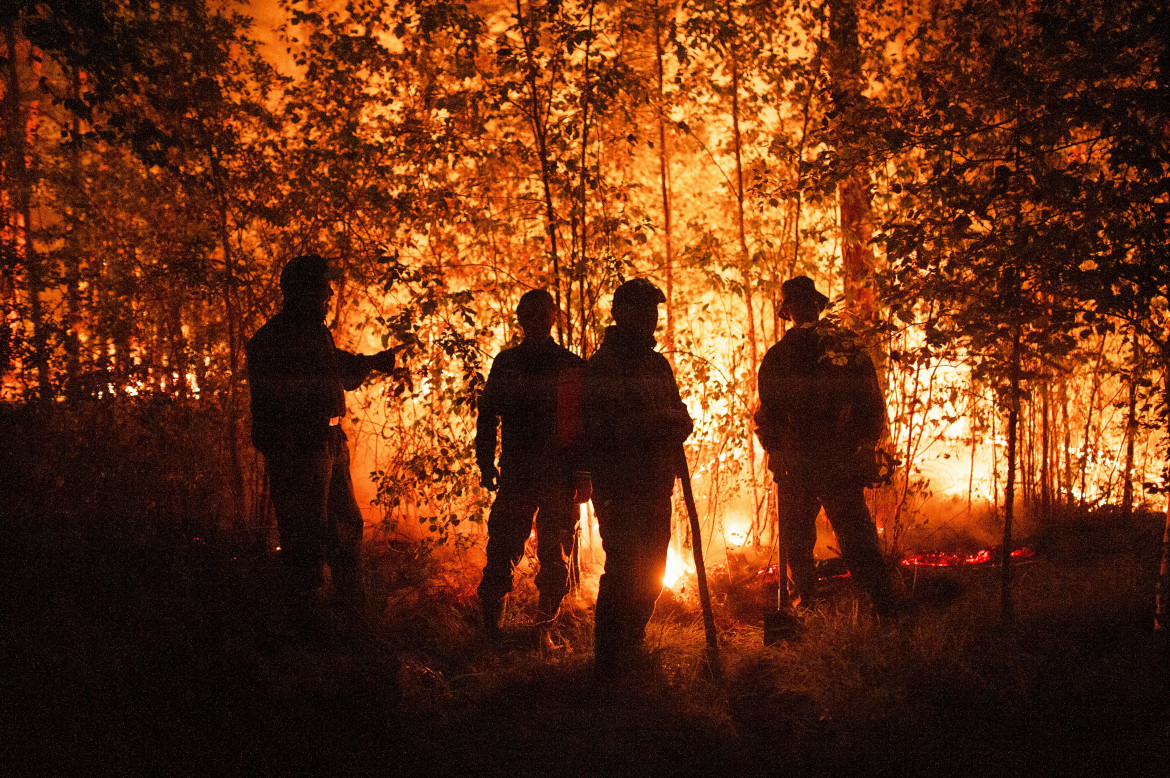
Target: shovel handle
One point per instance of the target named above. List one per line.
(684, 475)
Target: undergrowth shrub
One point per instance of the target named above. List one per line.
(130, 470)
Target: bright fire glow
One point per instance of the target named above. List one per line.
(736, 529)
(676, 567)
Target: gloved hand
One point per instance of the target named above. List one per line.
(875, 466)
(489, 478)
(384, 361)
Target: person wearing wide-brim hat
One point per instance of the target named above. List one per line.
(821, 417)
(635, 424)
(801, 293)
(297, 379)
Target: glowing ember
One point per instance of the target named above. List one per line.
(988, 556)
(934, 559)
(737, 537)
(771, 572)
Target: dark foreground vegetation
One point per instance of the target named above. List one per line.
(133, 650)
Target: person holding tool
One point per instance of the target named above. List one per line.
(635, 424)
(532, 403)
(298, 378)
(820, 419)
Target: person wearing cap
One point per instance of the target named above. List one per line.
(297, 379)
(821, 417)
(531, 405)
(635, 424)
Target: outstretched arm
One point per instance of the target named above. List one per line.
(354, 369)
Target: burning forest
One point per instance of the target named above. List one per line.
(974, 198)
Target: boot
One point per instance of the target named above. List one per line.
(493, 611)
(349, 592)
(547, 609)
(306, 621)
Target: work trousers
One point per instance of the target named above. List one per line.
(509, 525)
(635, 534)
(800, 500)
(317, 516)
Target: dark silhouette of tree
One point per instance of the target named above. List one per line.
(1023, 134)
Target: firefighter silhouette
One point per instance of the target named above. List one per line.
(635, 425)
(820, 419)
(297, 379)
(532, 404)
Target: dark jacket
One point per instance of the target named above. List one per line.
(298, 379)
(635, 421)
(533, 395)
(820, 400)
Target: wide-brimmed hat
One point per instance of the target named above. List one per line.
(307, 273)
(801, 289)
(637, 292)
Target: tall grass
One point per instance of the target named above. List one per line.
(154, 651)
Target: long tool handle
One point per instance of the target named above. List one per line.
(684, 475)
(783, 596)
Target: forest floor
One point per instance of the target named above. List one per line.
(167, 658)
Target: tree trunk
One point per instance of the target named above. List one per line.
(994, 456)
(1035, 448)
(664, 179)
(1045, 446)
(1131, 428)
(72, 260)
(744, 256)
(1007, 610)
(21, 194)
(846, 85)
(1090, 406)
(1066, 441)
(798, 206)
(1027, 446)
(745, 264)
(971, 473)
(582, 266)
(178, 348)
(538, 132)
(235, 336)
